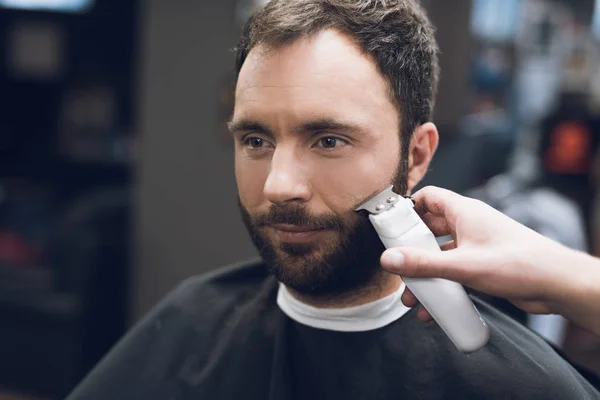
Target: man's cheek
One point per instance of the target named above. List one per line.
(338, 185)
(250, 187)
(359, 178)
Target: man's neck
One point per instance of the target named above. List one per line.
(383, 284)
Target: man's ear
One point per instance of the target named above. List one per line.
(423, 145)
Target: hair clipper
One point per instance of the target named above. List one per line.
(398, 225)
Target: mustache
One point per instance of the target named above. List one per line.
(298, 215)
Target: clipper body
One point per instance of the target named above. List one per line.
(398, 225)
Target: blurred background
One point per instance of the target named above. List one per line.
(116, 170)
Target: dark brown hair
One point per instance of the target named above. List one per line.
(396, 33)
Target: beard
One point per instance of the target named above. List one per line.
(326, 267)
(341, 264)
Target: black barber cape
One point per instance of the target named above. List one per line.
(222, 336)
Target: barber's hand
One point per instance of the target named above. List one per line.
(489, 252)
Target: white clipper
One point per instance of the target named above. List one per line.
(398, 225)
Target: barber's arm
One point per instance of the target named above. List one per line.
(498, 256)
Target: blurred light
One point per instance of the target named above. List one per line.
(596, 20)
(48, 5)
(495, 19)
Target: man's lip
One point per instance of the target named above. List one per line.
(294, 228)
(296, 233)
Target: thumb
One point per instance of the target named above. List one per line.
(418, 263)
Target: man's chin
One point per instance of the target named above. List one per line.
(303, 278)
(298, 259)
(296, 250)
(315, 272)
(301, 267)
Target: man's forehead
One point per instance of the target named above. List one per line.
(324, 73)
(327, 58)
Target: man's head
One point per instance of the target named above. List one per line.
(332, 104)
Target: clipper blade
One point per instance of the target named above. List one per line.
(380, 201)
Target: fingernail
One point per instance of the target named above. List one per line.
(393, 258)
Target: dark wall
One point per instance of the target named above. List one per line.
(188, 220)
(452, 22)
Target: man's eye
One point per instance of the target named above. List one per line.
(330, 142)
(254, 142)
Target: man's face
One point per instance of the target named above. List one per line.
(316, 133)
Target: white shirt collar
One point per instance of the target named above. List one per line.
(365, 317)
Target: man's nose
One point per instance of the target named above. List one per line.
(287, 179)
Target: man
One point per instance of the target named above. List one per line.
(332, 104)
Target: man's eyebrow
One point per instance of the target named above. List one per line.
(248, 125)
(327, 124)
(317, 125)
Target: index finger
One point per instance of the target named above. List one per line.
(435, 200)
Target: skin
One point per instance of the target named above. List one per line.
(314, 124)
(502, 258)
